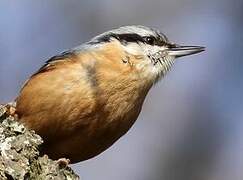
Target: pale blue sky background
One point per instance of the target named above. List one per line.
(192, 121)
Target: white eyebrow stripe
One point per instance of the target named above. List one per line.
(134, 29)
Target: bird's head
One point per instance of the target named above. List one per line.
(155, 53)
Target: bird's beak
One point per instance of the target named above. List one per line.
(179, 51)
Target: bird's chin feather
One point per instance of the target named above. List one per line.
(163, 67)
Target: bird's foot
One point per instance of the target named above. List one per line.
(63, 162)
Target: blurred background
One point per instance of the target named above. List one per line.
(192, 121)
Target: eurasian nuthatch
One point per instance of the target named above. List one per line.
(84, 99)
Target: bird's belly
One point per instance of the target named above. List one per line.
(85, 144)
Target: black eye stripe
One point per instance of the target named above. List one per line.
(131, 37)
(128, 37)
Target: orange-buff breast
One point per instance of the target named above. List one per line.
(82, 104)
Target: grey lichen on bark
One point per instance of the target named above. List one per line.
(19, 155)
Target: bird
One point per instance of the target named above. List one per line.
(84, 99)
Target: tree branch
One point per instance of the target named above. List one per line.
(19, 155)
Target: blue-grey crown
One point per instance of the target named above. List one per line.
(134, 33)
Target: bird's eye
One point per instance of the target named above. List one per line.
(150, 40)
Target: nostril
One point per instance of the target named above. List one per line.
(172, 45)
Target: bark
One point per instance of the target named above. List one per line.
(19, 155)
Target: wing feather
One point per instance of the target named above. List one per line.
(60, 57)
